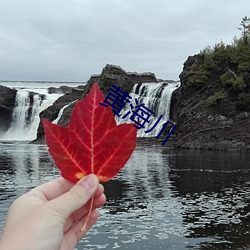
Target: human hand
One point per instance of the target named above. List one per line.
(50, 216)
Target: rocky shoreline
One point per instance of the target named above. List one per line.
(199, 126)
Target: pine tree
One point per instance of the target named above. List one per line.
(245, 28)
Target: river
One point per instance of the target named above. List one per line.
(162, 199)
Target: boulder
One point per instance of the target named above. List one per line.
(7, 104)
(112, 74)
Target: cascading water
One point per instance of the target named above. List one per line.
(20, 112)
(61, 112)
(25, 117)
(157, 98)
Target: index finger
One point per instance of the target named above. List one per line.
(54, 188)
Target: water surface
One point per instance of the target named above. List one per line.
(162, 199)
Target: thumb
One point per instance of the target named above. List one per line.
(76, 197)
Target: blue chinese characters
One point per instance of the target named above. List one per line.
(139, 114)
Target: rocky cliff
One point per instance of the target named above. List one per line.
(111, 74)
(211, 115)
(7, 104)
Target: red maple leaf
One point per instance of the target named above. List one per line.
(92, 142)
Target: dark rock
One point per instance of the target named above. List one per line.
(7, 104)
(63, 89)
(176, 97)
(242, 116)
(184, 76)
(52, 112)
(112, 74)
(31, 101)
(222, 126)
(60, 90)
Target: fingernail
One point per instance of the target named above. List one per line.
(89, 182)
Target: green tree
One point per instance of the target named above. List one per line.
(216, 98)
(226, 69)
(245, 28)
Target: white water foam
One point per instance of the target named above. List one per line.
(157, 98)
(61, 112)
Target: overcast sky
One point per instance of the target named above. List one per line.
(68, 40)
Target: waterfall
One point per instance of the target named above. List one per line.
(25, 117)
(157, 98)
(21, 111)
(61, 112)
(30, 102)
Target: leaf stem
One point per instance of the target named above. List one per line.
(88, 216)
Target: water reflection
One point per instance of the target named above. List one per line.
(162, 199)
(22, 167)
(141, 208)
(214, 187)
(26, 164)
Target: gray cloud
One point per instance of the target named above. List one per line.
(69, 40)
